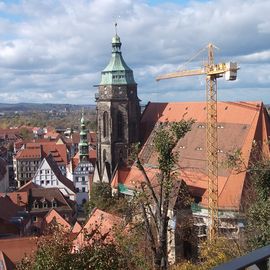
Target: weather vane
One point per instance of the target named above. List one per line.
(115, 25)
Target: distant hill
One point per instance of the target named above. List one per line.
(24, 107)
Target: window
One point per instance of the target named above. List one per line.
(76, 179)
(36, 204)
(83, 179)
(34, 218)
(104, 155)
(198, 148)
(54, 203)
(77, 190)
(47, 182)
(105, 124)
(45, 204)
(83, 189)
(120, 125)
(42, 182)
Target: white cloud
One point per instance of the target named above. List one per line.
(54, 50)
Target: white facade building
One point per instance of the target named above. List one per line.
(49, 175)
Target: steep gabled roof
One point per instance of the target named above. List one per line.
(76, 228)
(64, 180)
(239, 124)
(99, 220)
(53, 215)
(29, 185)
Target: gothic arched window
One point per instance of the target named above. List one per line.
(105, 124)
(120, 125)
(104, 155)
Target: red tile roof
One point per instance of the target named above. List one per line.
(35, 150)
(19, 198)
(16, 248)
(8, 208)
(53, 215)
(239, 124)
(103, 221)
(76, 228)
(29, 153)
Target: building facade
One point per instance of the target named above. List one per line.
(49, 175)
(118, 113)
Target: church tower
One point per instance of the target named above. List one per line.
(118, 113)
(83, 144)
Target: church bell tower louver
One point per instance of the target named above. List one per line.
(118, 112)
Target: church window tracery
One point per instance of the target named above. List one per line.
(105, 124)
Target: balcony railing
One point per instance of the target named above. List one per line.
(258, 257)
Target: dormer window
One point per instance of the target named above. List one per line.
(54, 203)
(45, 204)
(36, 205)
(201, 126)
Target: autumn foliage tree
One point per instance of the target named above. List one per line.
(55, 251)
(256, 204)
(154, 198)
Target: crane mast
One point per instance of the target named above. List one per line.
(212, 72)
(212, 146)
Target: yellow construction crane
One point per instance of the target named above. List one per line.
(212, 72)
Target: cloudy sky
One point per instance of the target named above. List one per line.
(54, 50)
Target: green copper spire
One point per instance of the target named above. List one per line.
(83, 144)
(117, 71)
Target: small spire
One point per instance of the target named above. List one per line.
(115, 26)
(82, 119)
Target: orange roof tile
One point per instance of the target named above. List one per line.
(76, 228)
(239, 123)
(8, 208)
(53, 215)
(100, 220)
(29, 153)
(16, 248)
(20, 198)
